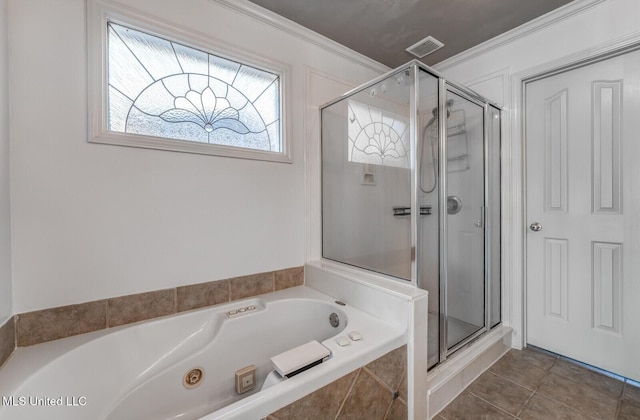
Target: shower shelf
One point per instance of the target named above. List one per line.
(406, 211)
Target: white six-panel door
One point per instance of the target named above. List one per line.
(583, 192)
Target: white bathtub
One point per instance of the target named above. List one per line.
(136, 372)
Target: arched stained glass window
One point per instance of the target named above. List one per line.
(377, 136)
(163, 89)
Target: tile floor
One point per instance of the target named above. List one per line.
(531, 384)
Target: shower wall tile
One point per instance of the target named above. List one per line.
(7, 340)
(65, 321)
(252, 285)
(133, 308)
(289, 277)
(204, 294)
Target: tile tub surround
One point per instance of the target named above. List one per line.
(65, 321)
(7, 340)
(531, 384)
(367, 393)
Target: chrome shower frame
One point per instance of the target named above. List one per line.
(413, 69)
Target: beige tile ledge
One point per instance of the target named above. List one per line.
(7, 340)
(65, 321)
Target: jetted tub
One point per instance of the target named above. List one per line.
(137, 371)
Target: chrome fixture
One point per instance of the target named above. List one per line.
(454, 205)
(334, 320)
(535, 226)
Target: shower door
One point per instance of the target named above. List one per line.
(463, 286)
(410, 189)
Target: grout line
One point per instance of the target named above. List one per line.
(379, 380)
(346, 397)
(525, 403)
(388, 410)
(554, 364)
(513, 382)
(491, 404)
(618, 408)
(521, 408)
(403, 380)
(546, 379)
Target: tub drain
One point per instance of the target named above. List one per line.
(193, 378)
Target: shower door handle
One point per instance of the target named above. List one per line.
(535, 226)
(482, 222)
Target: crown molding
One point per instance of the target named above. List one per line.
(555, 16)
(268, 17)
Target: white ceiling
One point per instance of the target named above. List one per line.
(383, 29)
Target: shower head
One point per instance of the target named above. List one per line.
(434, 111)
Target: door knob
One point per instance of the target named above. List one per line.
(535, 226)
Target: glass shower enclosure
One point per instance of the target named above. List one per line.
(411, 189)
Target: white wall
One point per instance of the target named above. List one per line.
(6, 309)
(494, 69)
(597, 23)
(94, 221)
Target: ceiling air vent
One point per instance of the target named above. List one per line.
(425, 46)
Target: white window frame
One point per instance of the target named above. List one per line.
(99, 13)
